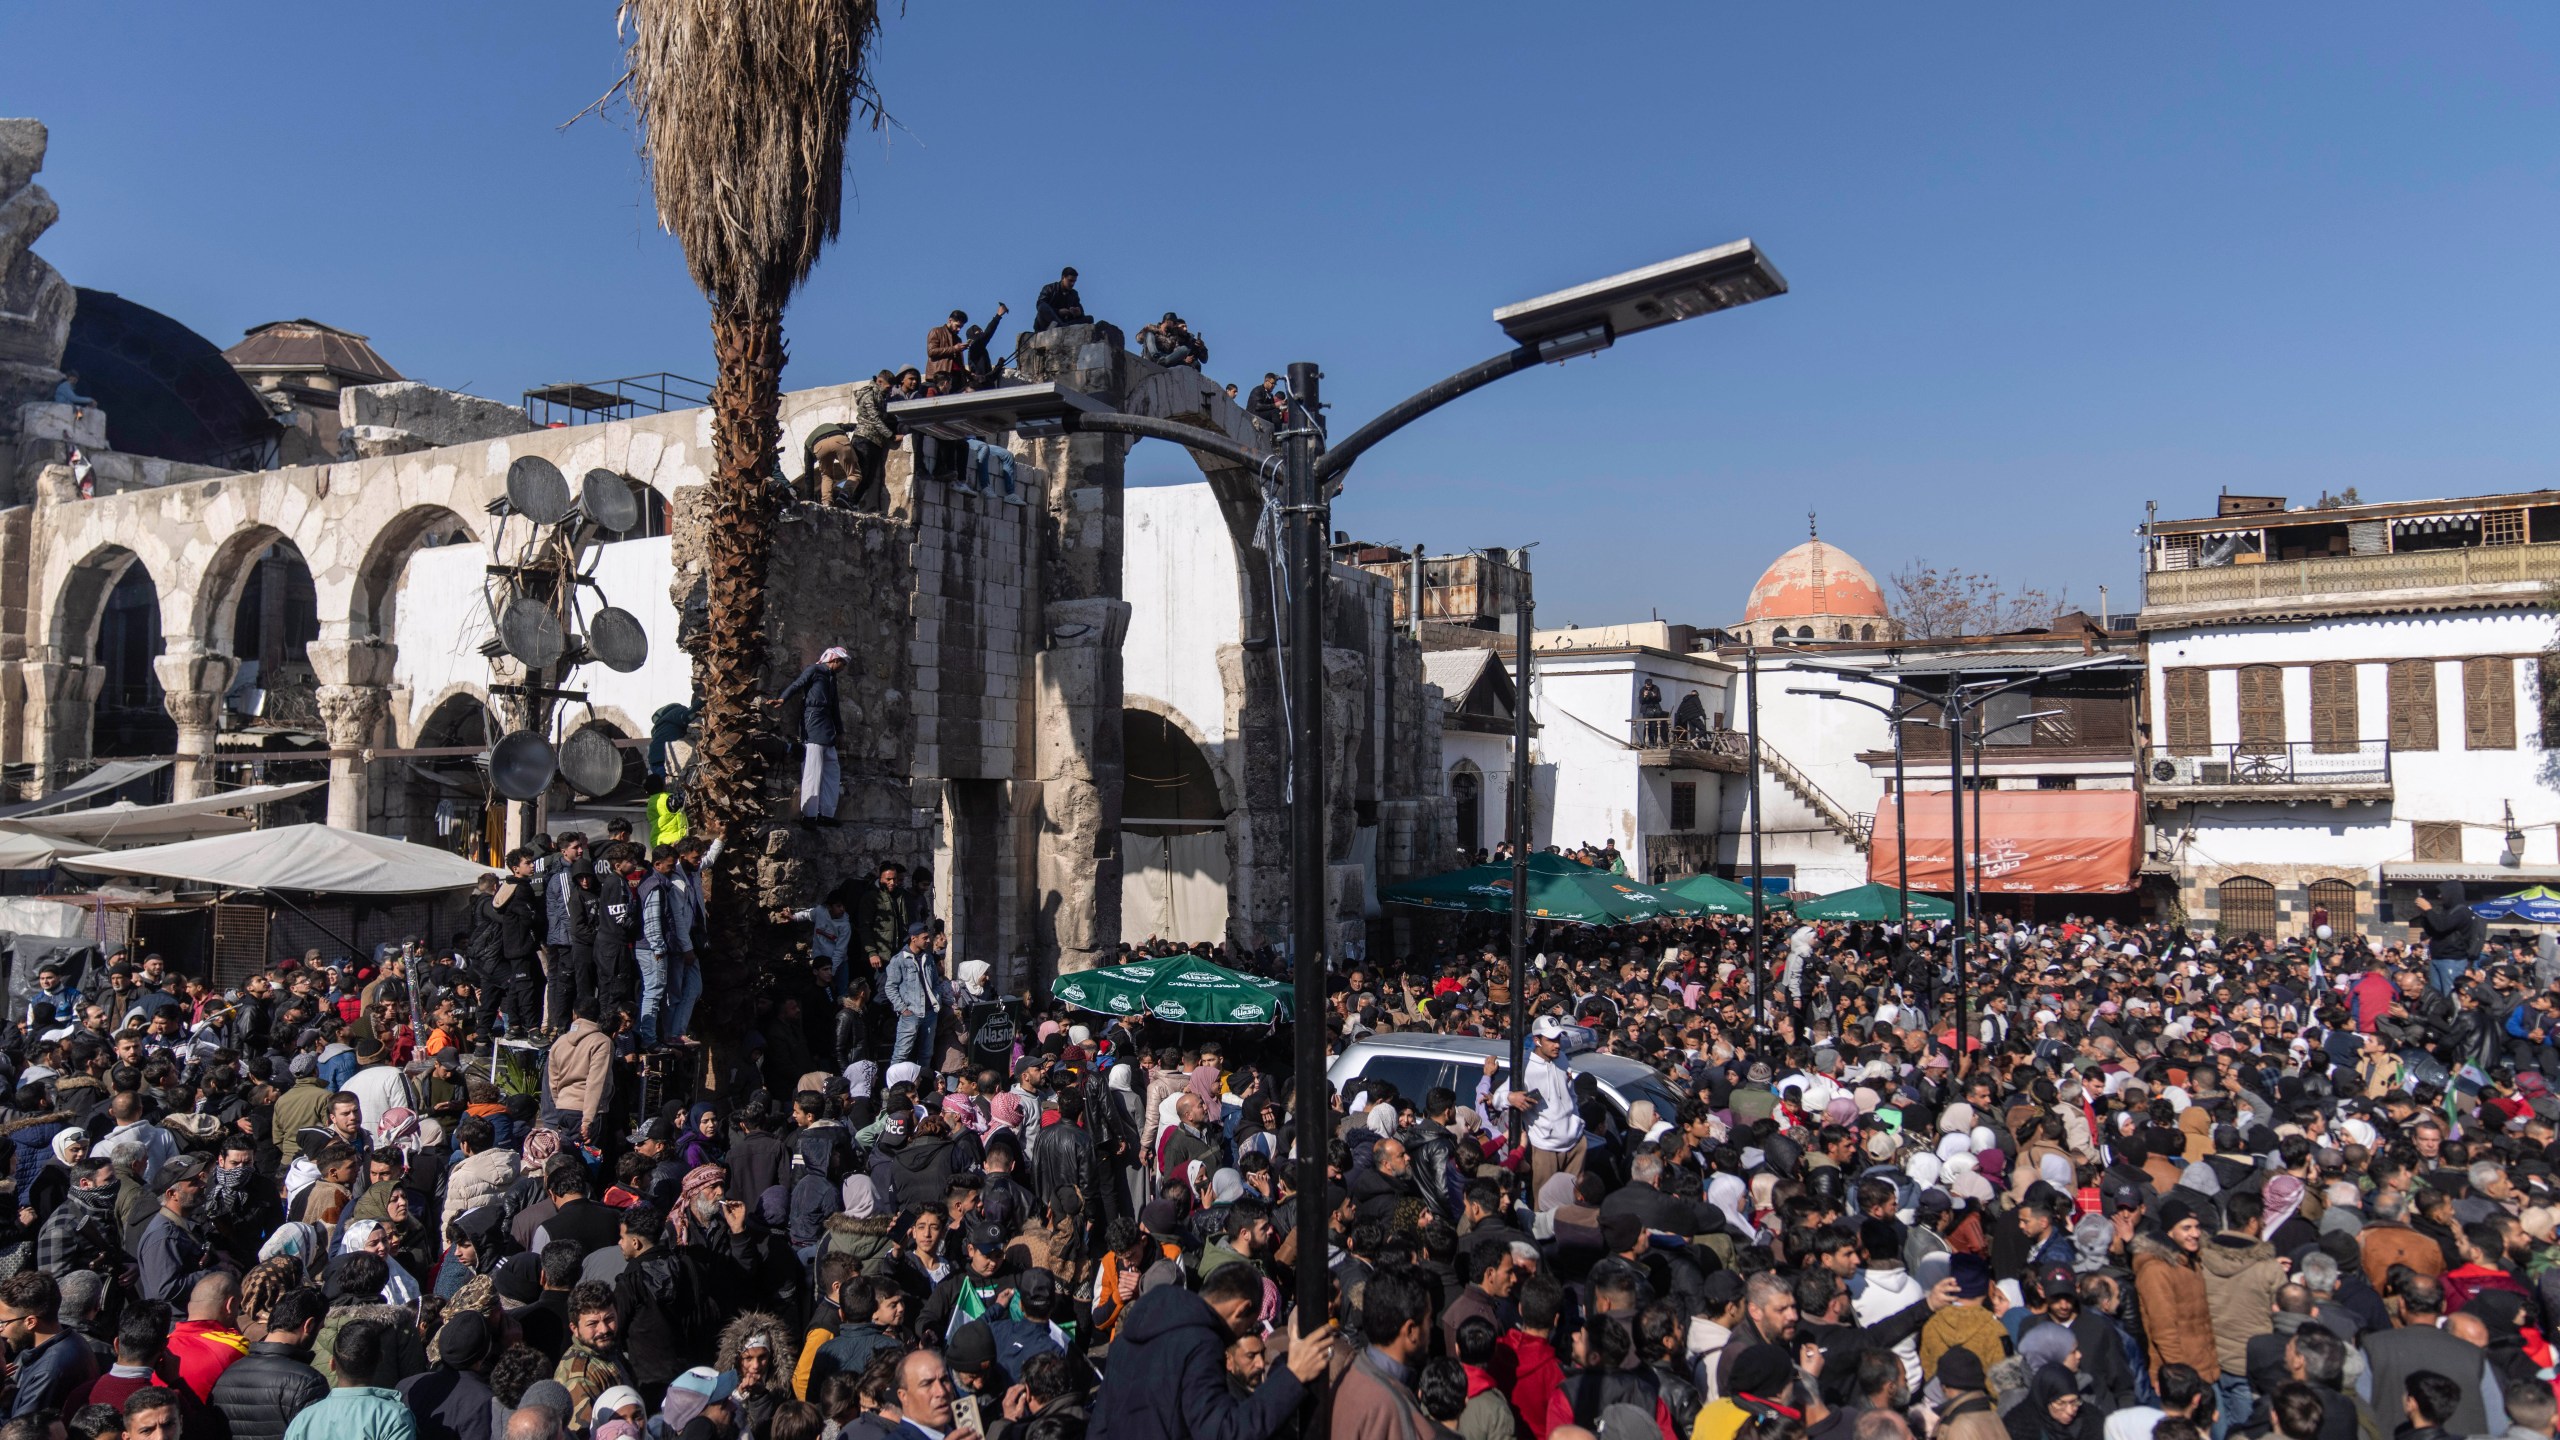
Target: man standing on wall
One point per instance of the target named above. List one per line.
(821, 772)
(569, 917)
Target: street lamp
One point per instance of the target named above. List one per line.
(1554, 327)
(1958, 700)
(1901, 813)
(1982, 737)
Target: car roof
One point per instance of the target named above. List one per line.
(1615, 1069)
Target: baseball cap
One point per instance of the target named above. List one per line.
(1547, 1027)
(986, 1237)
(712, 1385)
(183, 1169)
(658, 1130)
(2053, 1281)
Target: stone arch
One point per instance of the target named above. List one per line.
(1229, 801)
(80, 602)
(125, 642)
(377, 577)
(461, 715)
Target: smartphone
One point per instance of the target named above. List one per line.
(964, 1414)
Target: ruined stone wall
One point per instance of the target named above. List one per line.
(836, 578)
(976, 609)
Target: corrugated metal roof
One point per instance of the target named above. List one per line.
(1455, 671)
(310, 345)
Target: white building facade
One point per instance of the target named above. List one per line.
(2346, 705)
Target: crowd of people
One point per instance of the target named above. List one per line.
(2163, 1185)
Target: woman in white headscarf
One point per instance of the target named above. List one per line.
(370, 1237)
(1727, 1193)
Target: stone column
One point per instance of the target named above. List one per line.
(61, 707)
(192, 684)
(355, 695)
(1082, 769)
(1078, 761)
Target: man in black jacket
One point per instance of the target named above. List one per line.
(1062, 1154)
(617, 924)
(517, 910)
(453, 1400)
(1059, 304)
(261, 1392)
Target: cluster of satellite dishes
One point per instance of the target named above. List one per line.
(535, 574)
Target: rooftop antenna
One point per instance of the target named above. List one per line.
(1812, 526)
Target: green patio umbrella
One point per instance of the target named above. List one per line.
(1183, 988)
(1715, 895)
(1558, 890)
(1477, 888)
(1872, 902)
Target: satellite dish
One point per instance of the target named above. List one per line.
(590, 763)
(609, 501)
(521, 766)
(614, 636)
(530, 632)
(537, 490)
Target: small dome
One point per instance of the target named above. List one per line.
(1815, 580)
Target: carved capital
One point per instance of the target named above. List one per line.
(350, 713)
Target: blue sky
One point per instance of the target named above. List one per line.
(2049, 262)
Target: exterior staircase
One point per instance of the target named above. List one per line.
(1855, 827)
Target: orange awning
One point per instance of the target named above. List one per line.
(2032, 842)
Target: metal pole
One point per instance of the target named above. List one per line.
(1901, 833)
(1302, 677)
(1759, 911)
(1520, 611)
(1955, 849)
(1976, 837)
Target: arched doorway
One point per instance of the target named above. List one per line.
(1173, 842)
(1466, 786)
(449, 802)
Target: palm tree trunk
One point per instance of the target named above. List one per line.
(729, 801)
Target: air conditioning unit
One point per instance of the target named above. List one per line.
(2180, 770)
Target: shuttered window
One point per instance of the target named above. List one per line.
(1684, 806)
(2439, 841)
(2413, 704)
(2188, 721)
(2489, 703)
(2333, 709)
(2247, 906)
(2261, 709)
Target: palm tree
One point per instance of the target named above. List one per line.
(743, 107)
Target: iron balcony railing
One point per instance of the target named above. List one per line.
(2274, 762)
(1665, 732)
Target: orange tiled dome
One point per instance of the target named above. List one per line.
(1815, 580)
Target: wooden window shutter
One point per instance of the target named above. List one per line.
(2489, 703)
(2436, 840)
(2261, 708)
(2413, 704)
(2333, 709)
(2188, 725)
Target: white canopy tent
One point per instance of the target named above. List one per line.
(26, 850)
(313, 858)
(129, 824)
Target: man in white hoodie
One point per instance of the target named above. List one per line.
(1890, 1289)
